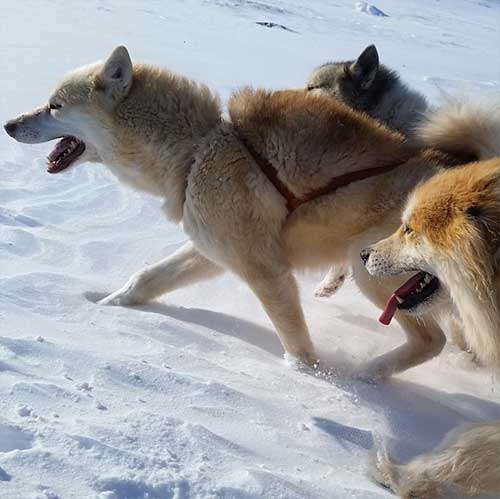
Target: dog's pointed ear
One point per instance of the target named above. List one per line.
(365, 68)
(117, 74)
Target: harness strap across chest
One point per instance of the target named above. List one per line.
(293, 201)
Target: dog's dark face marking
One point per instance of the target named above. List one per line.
(360, 84)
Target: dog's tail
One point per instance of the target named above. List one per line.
(467, 461)
(464, 129)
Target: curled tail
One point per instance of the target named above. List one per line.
(465, 129)
(467, 461)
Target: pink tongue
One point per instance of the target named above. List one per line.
(390, 309)
(392, 304)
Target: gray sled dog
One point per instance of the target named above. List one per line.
(450, 236)
(368, 86)
(291, 181)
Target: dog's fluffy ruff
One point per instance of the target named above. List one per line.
(452, 229)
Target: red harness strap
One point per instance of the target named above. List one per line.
(268, 169)
(292, 201)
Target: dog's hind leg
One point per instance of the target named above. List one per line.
(184, 267)
(333, 281)
(276, 288)
(425, 339)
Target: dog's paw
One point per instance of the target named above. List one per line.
(302, 361)
(328, 287)
(326, 291)
(120, 298)
(117, 298)
(110, 300)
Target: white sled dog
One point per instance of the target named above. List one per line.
(370, 87)
(450, 235)
(291, 181)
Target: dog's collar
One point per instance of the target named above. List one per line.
(293, 201)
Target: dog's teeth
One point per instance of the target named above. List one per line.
(400, 300)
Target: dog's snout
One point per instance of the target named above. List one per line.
(10, 127)
(365, 254)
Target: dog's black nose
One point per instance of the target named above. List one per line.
(365, 254)
(10, 127)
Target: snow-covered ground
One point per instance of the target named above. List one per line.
(189, 397)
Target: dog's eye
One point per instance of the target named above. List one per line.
(53, 106)
(407, 230)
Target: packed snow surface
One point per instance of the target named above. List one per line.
(189, 396)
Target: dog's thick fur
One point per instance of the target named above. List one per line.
(451, 229)
(367, 86)
(164, 134)
(466, 462)
(373, 88)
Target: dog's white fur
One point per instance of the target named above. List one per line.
(451, 229)
(164, 134)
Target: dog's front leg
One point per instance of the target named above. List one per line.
(425, 339)
(184, 267)
(276, 288)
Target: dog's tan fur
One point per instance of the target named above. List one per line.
(451, 228)
(467, 462)
(467, 129)
(164, 134)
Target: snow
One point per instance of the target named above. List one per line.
(369, 9)
(189, 397)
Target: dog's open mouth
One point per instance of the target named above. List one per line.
(66, 151)
(415, 291)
